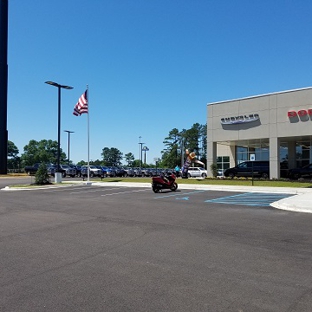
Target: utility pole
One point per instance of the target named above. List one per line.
(3, 86)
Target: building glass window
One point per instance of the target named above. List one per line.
(223, 162)
(241, 154)
(303, 153)
(259, 148)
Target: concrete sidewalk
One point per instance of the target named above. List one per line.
(300, 203)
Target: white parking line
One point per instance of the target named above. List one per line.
(125, 192)
(176, 194)
(94, 190)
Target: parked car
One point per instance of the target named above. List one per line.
(30, 170)
(129, 172)
(120, 172)
(104, 171)
(94, 171)
(77, 169)
(197, 172)
(154, 172)
(146, 172)
(137, 172)
(51, 170)
(303, 172)
(169, 171)
(67, 171)
(249, 169)
(111, 172)
(220, 173)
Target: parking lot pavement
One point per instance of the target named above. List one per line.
(299, 203)
(117, 248)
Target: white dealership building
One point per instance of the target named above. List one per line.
(275, 127)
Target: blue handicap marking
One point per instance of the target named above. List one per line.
(250, 199)
(182, 198)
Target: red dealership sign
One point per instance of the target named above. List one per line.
(300, 113)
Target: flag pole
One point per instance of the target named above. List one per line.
(88, 97)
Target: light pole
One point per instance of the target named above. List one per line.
(140, 143)
(55, 84)
(68, 143)
(145, 149)
(156, 162)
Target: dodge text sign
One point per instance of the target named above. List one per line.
(300, 113)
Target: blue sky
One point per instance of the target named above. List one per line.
(151, 66)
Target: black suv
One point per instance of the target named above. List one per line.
(248, 169)
(304, 172)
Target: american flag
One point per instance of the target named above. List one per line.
(82, 106)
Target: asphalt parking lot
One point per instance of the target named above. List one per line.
(90, 248)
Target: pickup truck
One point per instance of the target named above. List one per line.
(31, 170)
(93, 171)
(67, 171)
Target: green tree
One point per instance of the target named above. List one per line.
(44, 151)
(193, 139)
(196, 140)
(129, 158)
(82, 163)
(13, 158)
(96, 162)
(168, 159)
(136, 163)
(171, 156)
(12, 149)
(203, 143)
(111, 156)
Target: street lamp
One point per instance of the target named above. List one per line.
(68, 143)
(140, 143)
(59, 119)
(145, 149)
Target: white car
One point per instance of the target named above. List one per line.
(197, 172)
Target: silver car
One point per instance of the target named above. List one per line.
(197, 172)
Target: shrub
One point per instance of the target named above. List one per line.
(42, 176)
(214, 170)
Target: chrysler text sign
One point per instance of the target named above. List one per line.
(239, 119)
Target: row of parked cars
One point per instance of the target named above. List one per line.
(104, 171)
(259, 169)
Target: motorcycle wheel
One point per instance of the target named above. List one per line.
(174, 187)
(155, 189)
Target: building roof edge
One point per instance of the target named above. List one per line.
(260, 95)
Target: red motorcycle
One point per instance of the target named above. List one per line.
(164, 183)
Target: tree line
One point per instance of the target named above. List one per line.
(175, 144)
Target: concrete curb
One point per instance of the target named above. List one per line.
(299, 203)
